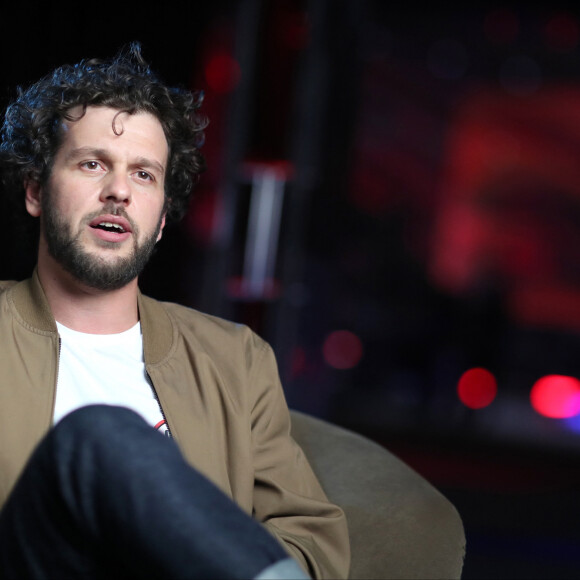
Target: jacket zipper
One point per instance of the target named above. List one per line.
(55, 381)
(156, 396)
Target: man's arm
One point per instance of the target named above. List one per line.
(288, 499)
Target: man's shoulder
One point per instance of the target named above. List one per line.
(190, 316)
(6, 284)
(210, 330)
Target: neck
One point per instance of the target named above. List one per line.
(86, 309)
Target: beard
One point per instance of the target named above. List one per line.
(92, 270)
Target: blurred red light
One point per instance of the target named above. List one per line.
(298, 362)
(295, 31)
(342, 349)
(556, 396)
(562, 33)
(222, 73)
(477, 388)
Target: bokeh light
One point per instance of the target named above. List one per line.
(222, 72)
(562, 33)
(556, 396)
(477, 388)
(342, 349)
(573, 423)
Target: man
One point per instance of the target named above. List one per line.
(102, 154)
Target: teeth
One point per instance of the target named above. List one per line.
(112, 225)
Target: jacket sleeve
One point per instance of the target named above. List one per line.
(288, 499)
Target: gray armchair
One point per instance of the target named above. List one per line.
(400, 526)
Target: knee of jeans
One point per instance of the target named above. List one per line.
(93, 421)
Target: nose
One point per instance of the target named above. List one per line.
(116, 188)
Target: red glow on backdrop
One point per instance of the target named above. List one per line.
(295, 30)
(203, 218)
(477, 388)
(562, 33)
(509, 194)
(342, 349)
(222, 72)
(556, 396)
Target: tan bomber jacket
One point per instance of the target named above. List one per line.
(218, 386)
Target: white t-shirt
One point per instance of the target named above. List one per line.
(105, 369)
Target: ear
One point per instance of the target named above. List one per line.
(33, 191)
(161, 228)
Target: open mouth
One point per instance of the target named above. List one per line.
(109, 227)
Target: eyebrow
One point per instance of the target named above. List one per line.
(96, 152)
(146, 162)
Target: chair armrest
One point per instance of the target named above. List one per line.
(400, 526)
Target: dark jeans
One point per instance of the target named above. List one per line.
(106, 496)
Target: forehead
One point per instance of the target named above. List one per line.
(138, 134)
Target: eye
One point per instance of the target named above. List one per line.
(91, 165)
(144, 176)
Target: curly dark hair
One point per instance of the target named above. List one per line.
(31, 133)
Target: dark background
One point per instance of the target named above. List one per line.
(426, 165)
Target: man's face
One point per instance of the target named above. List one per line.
(102, 208)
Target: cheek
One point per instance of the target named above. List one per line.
(153, 210)
(71, 198)
(66, 208)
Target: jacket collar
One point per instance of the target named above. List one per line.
(31, 304)
(158, 330)
(158, 333)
